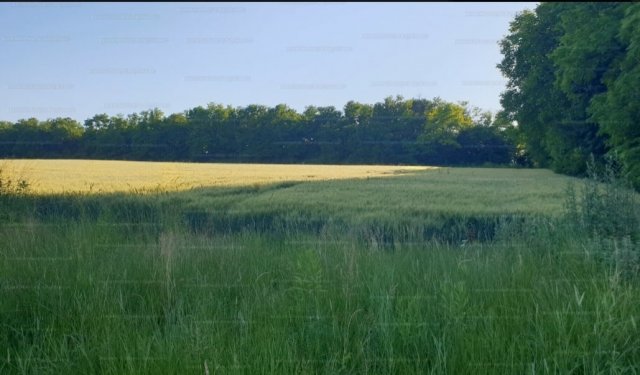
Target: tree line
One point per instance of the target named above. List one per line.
(394, 131)
(573, 74)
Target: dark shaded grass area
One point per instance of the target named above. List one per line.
(171, 209)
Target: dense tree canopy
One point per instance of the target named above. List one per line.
(393, 131)
(573, 78)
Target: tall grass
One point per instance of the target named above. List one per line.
(129, 285)
(607, 211)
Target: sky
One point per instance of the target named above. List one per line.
(80, 59)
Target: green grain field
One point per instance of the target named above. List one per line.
(244, 269)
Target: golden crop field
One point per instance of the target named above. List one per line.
(103, 176)
(353, 190)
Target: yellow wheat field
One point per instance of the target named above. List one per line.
(102, 176)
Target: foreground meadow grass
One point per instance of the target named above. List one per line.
(378, 275)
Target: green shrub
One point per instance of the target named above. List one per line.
(11, 186)
(607, 206)
(607, 214)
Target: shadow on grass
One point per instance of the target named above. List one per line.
(282, 208)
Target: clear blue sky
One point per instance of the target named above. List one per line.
(77, 60)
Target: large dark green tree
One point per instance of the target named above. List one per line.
(588, 47)
(617, 110)
(573, 73)
(532, 98)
